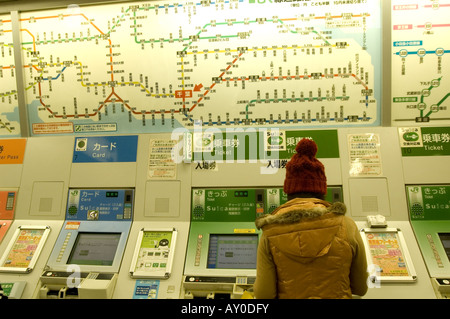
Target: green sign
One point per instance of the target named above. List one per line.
(326, 140)
(233, 205)
(7, 287)
(429, 202)
(242, 205)
(425, 141)
(153, 239)
(261, 144)
(334, 194)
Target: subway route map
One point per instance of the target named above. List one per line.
(420, 63)
(155, 66)
(9, 113)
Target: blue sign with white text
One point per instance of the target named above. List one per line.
(146, 289)
(105, 149)
(100, 204)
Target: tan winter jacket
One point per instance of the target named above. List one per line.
(310, 249)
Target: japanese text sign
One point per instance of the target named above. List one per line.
(105, 149)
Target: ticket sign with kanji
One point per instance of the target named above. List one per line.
(424, 141)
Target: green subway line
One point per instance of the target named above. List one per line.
(438, 104)
(206, 26)
(422, 97)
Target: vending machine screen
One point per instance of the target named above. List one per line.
(231, 251)
(445, 240)
(94, 249)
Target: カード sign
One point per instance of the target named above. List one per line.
(105, 149)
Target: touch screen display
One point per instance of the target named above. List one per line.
(230, 251)
(94, 249)
(445, 240)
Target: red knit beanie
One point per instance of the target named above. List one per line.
(304, 172)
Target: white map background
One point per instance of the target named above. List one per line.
(420, 63)
(9, 113)
(152, 67)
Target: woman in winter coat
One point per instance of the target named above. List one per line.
(309, 248)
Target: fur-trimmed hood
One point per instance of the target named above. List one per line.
(310, 249)
(303, 228)
(294, 212)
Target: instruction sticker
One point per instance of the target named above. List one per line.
(146, 289)
(364, 154)
(72, 225)
(154, 251)
(160, 162)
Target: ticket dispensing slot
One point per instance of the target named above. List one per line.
(87, 255)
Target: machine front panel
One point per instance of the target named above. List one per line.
(429, 209)
(96, 230)
(7, 208)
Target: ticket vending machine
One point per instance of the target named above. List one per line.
(152, 267)
(367, 165)
(87, 256)
(98, 213)
(228, 194)
(430, 217)
(425, 155)
(11, 165)
(223, 239)
(223, 243)
(41, 182)
(373, 187)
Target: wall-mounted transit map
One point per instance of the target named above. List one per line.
(9, 112)
(155, 66)
(420, 63)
